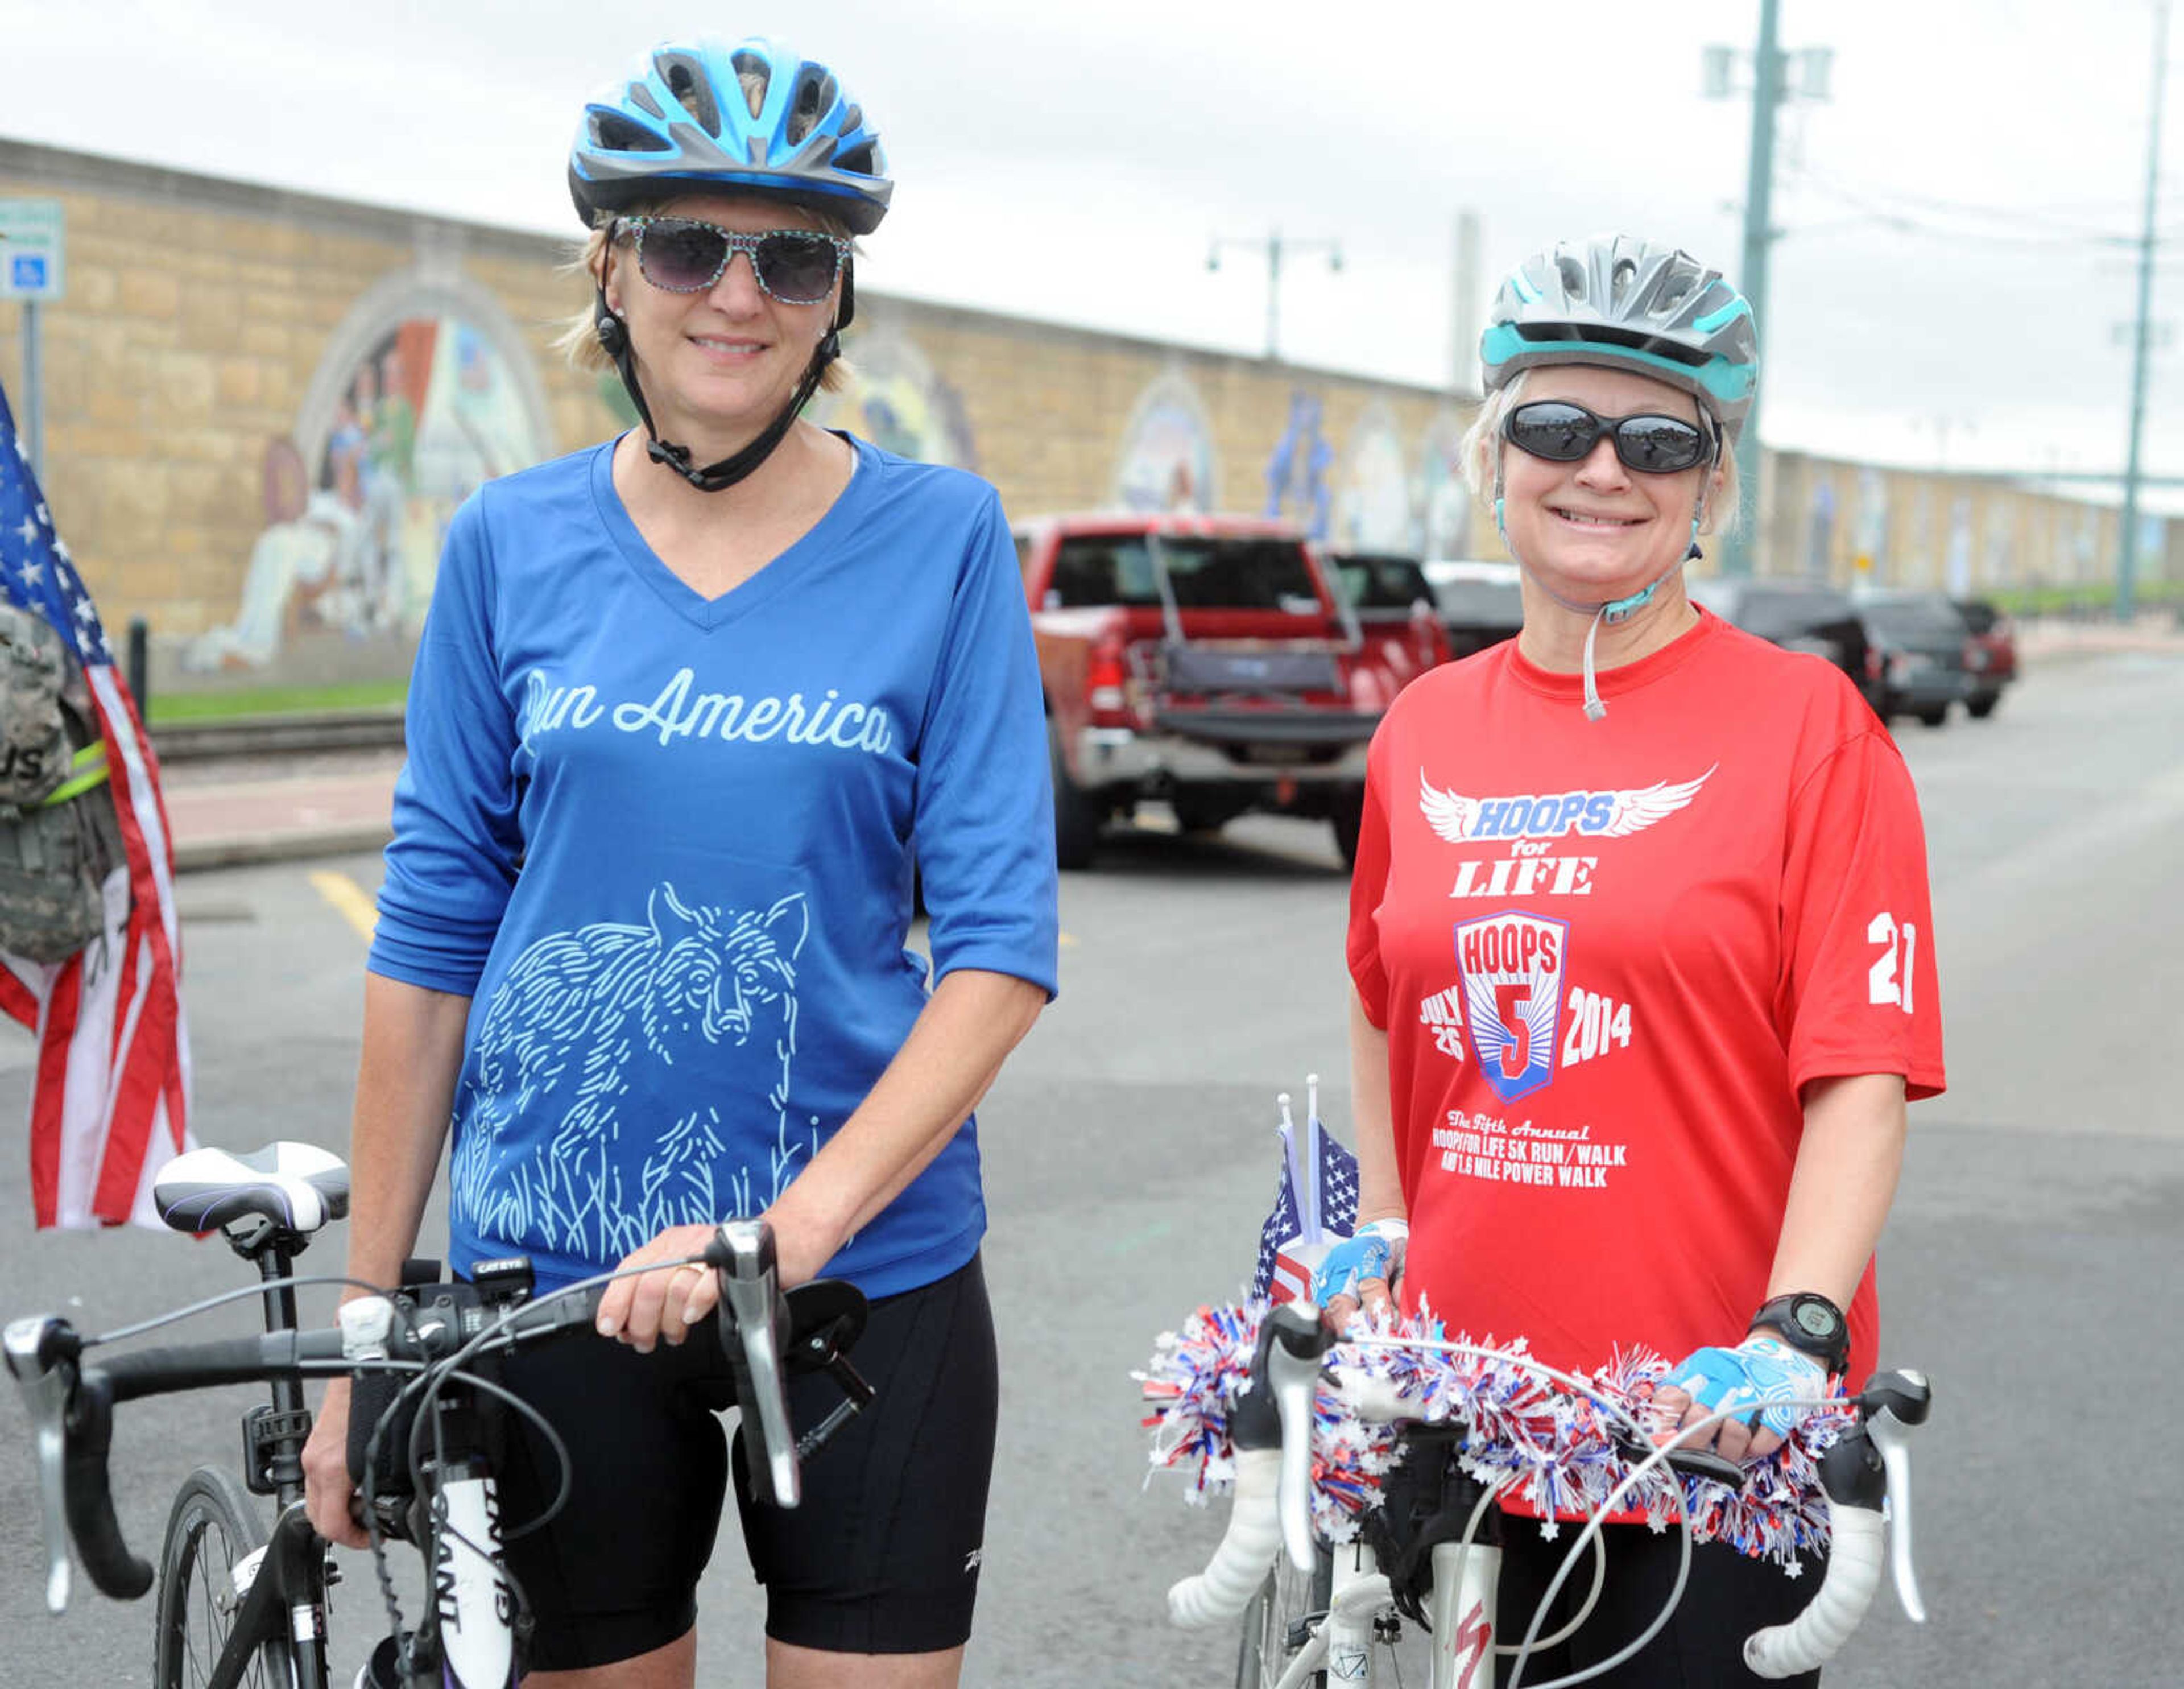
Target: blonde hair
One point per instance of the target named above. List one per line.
(1483, 446)
(579, 340)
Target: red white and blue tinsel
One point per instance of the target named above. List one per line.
(1532, 1438)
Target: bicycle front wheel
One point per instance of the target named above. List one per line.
(214, 1525)
(1274, 1626)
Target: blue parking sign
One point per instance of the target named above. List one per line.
(27, 271)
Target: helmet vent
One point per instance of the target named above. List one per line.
(692, 92)
(1619, 282)
(612, 132)
(1674, 290)
(1573, 274)
(814, 93)
(858, 160)
(755, 76)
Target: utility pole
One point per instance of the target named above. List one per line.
(2127, 553)
(1769, 89)
(1273, 246)
(1758, 232)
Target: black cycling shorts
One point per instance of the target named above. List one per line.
(881, 1557)
(1728, 1595)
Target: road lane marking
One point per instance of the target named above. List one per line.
(348, 900)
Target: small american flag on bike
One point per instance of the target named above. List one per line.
(109, 1092)
(1316, 1204)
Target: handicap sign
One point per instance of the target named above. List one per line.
(30, 247)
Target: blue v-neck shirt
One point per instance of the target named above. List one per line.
(664, 844)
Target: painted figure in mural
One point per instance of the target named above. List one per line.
(1690, 951)
(427, 414)
(692, 711)
(301, 565)
(1296, 473)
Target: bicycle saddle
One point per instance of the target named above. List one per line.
(297, 1186)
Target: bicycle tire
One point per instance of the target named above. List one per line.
(215, 1523)
(1286, 1597)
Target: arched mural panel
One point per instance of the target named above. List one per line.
(1373, 492)
(424, 392)
(897, 400)
(1166, 462)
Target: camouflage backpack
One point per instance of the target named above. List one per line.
(58, 835)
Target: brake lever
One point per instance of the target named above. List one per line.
(1894, 1402)
(750, 1299)
(42, 1352)
(1299, 1342)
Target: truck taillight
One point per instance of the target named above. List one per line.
(1105, 681)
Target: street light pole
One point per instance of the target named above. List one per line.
(2127, 553)
(1273, 246)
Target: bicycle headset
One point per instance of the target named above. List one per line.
(753, 118)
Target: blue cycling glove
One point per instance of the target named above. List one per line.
(1375, 1252)
(1758, 1371)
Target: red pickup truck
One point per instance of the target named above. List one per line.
(1202, 660)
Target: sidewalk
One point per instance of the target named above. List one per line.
(231, 815)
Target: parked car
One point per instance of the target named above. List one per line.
(1798, 615)
(1394, 604)
(1481, 603)
(1990, 654)
(1205, 660)
(1918, 644)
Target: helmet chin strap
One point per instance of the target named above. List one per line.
(717, 478)
(1611, 611)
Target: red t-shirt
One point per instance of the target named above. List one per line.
(1608, 955)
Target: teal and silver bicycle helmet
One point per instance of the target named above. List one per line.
(1620, 303)
(1628, 305)
(750, 118)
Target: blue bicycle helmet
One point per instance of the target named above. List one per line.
(753, 117)
(1627, 305)
(750, 118)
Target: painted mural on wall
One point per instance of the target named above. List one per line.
(1871, 544)
(1820, 529)
(1440, 498)
(351, 542)
(899, 402)
(1371, 503)
(1297, 470)
(1166, 462)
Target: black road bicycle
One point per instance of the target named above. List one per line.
(239, 1605)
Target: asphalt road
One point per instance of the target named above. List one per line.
(2030, 1268)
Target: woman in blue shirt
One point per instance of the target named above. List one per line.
(686, 706)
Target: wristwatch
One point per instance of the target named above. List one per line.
(1812, 1323)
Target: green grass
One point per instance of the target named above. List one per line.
(172, 708)
(2093, 596)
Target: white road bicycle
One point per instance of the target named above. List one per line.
(238, 1605)
(1314, 1616)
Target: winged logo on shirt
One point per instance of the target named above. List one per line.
(1610, 813)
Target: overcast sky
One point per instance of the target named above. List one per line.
(1956, 273)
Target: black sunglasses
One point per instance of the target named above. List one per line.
(682, 255)
(1562, 432)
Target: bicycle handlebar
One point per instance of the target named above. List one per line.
(1867, 1463)
(70, 1404)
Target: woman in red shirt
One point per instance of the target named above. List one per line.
(1639, 934)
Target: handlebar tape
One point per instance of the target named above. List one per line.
(1854, 1573)
(1247, 1548)
(115, 1571)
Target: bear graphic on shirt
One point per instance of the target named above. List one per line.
(551, 1156)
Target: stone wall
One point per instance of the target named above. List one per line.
(262, 407)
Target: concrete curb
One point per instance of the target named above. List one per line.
(240, 850)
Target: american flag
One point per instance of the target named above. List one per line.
(1317, 1202)
(109, 1098)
